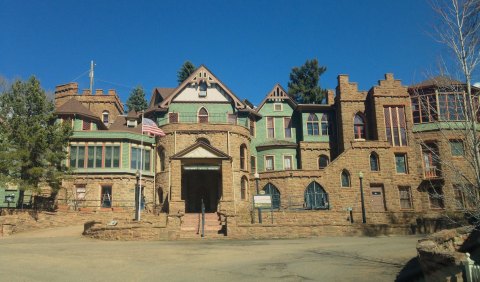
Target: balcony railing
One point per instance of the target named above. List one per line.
(213, 118)
(431, 172)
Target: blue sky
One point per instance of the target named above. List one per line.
(249, 45)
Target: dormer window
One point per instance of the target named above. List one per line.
(202, 89)
(105, 117)
(131, 123)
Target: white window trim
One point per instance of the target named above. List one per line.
(266, 127)
(265, 162)
(291, 163)
(276, 104)
(291, 129)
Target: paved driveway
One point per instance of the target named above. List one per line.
(63, 255)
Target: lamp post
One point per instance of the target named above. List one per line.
(137, 196)
(364, 218)
(257, 178)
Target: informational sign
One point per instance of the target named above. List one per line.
(262, 201)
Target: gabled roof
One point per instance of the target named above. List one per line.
(74, 107)
(120, 124)
(201, 150)
(194, 78)
(159, 94)
(278, 94)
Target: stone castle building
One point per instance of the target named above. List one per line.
(313, 159)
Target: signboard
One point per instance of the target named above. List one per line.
(262, 201)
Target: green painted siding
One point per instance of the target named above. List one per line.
(261, 135)
(125, 155)
(77, 124)
(315, 138)
(278, 153)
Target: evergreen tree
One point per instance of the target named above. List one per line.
(185, 71)
(32, 144)
(304, 83)
(137, 101)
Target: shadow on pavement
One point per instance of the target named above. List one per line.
(411, 272)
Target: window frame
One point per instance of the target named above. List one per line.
(410, 197)
(274, 192)
(395, 125)
(278, 104)
(288, 156)
(345, 173)
(319, 193)
(359, 127)
(377, 162)
(312, 121)
(323, 156)
(243, 157)
(287, 126)
(202, 117)
(244, 188)
(453, 150)
(405, 158)
(270, 129)
(273, 162)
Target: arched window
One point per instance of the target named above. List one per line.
(270, 189)
(315, 197)
(345, 178)
(243, 153)
(243, 188)
(325, 124)
(203, 140)
(374, 163)
(105, 117)
(323, 161)
(203, 115)
(161, 156)
(312, 124)
(359, 126)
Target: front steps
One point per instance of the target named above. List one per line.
(191, 227)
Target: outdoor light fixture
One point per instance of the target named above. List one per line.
(257, 178)
(364, 218)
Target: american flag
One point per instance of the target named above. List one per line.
(151, 127)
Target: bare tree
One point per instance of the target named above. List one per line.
(451, 107)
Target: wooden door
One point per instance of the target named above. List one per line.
(377, 198)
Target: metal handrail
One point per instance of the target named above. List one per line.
(203, 218)
(212, 118)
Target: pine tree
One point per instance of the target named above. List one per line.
(137, 101)
(32, 143)
(304, 83)
(185, 71)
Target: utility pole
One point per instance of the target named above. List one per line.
(91, 76)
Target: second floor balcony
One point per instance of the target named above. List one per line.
(210, 118)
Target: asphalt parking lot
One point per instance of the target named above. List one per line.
(62, 254)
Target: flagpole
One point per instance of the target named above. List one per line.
(141, 168)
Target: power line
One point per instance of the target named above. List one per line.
(117, 84)
(75, 79)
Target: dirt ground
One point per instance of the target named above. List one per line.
(62, 254)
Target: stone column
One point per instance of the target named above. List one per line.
(177, 205)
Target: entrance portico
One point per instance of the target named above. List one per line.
(199, 173)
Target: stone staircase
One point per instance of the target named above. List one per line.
(191, 227)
